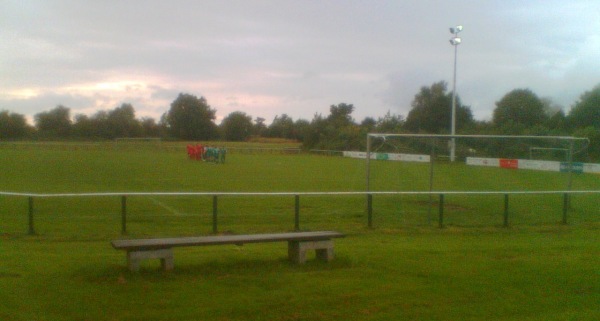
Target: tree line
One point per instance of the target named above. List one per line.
(191, 118)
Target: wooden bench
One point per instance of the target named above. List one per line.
(162, 248)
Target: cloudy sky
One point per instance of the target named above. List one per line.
(268, 57)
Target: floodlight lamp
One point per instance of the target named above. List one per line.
(455, 41)
(455, 30)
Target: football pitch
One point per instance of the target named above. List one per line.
(402, 268)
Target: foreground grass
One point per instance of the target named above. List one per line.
(452, 274)
(402, 269)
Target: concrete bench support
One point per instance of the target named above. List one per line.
(165, 255)
(297, 250)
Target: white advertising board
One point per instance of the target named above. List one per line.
(591, 168)
(539, 165)
(478, 161)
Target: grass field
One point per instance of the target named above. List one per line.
(404, 268)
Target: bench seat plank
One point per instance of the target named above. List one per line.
(162, 243)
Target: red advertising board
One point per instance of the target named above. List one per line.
(509, 163)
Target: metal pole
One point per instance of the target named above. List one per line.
(370, 209)
(31, 229)
(453, 125)
(505, 210)
(570, 183)
(297, 212)
(565, 208)
(368, 162)
(214, 216)
(369, 196)
(123, 214)
(431, 158)
(441, 211)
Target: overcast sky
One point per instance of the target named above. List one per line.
(268, 58)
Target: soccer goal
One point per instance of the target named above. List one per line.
(422, 155)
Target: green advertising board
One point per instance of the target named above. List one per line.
(576, 167)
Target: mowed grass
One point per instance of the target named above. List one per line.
(404, 268)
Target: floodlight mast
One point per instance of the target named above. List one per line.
(455, 41)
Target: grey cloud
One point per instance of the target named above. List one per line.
(309, 55)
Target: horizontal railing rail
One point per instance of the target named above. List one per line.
(48, 195)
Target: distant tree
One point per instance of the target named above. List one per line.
(340, 115)
(122, 122)
(259, 129)
(586, 111)
(336, 132)
(368, 124)
(282, 127)
(301, 127)
(150, 128)
(237, 126)
(101, 125)
(593, 134)
(13, 126)
(389, 123)
(432, 111)
(557, 122)
(315, 132)
(83, 127)
(191, 118)
(55, 123)
(520, 107)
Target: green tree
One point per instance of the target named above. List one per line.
(301, 127)
(557, 123)
(368, 124)
(150, 128)
(389, 123)
(55, 123)
(336, 132)
(520, 107)
(340, 115)
(586, 111)
(593, 134)
(83, 126)
(432, 111)
(315, 132)
(341, 133)
(122, 122)
(13, 126)
(191, 118)
(282, 127)
(237, 126)
(259, 129)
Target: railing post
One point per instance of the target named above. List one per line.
(297, 212)
(441, 211)
(123, 214)
(31, 229)
(565, 208)
(370, 209)
(505, 210)
(214, 216)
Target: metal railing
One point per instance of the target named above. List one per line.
(369, 201)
